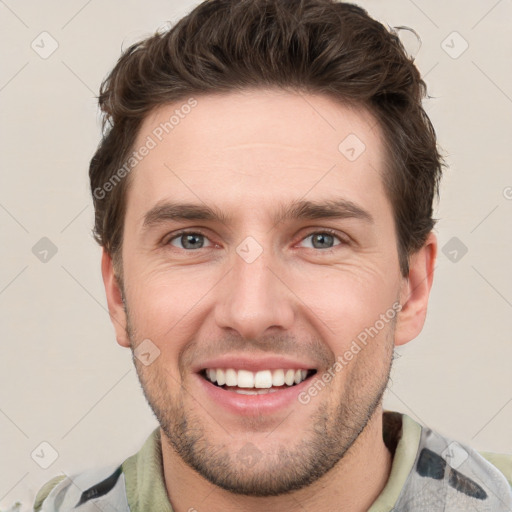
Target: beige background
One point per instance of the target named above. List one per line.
(64, 379)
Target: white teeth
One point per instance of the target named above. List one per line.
(245, 379)
(263, 380)
(258, 392)
(289, 377)
(221, 377)
(231, 378)
(246, 392)
(277, 378)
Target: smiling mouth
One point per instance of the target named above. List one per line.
(245, 382)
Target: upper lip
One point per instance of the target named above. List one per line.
(254, 364)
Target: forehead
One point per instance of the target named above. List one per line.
(254, 149)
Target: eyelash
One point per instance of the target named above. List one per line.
(322, 231)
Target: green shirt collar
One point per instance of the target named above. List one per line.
(146, 490)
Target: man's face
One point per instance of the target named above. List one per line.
(261, 292)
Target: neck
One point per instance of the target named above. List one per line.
(352, 485)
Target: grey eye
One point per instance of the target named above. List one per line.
(189, 241)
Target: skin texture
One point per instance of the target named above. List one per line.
(194, 298)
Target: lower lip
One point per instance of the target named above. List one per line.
(253, 405)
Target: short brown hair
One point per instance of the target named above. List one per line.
(312, 46)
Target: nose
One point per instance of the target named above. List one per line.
(254, 297)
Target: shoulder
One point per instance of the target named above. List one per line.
(503, 462)
(42, 494)
(451, 473)
(100, 487)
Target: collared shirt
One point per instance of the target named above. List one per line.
(430, 472)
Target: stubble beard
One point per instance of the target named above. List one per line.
(332, 433)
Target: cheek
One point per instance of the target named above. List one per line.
(161, 307)
(343, 302)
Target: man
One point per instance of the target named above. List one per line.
(263, 197)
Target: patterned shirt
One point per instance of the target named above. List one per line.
(430, 472)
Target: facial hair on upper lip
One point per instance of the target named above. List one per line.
(331, 432)
(314, 350)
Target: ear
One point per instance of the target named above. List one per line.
(114, 300)
(415, 291)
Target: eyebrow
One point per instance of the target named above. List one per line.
(166, 211)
